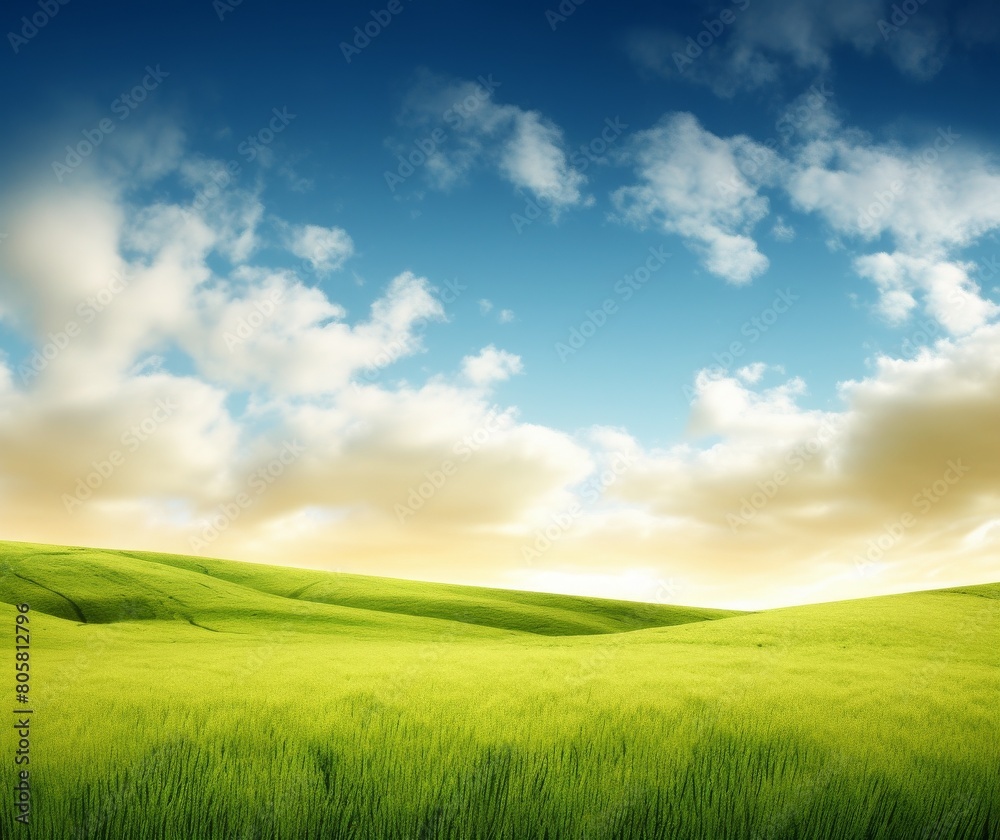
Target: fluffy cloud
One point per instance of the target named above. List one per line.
(929, 198)
(739, 46)
(490, 365)
(326, 249)
(375, 452)
(951, 296)
(931, 202)
(533, 158)
(504, 316)
(752, 373)
(781, 231)
(167, 386)
(693, 184)
(203, 386)
(269, 329)
(466, 128)
(899, 486)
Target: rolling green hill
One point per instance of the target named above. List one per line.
(185, 698)
(98, 586)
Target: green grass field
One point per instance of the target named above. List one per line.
(179, 697)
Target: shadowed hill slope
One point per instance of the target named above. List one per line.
(103, 586)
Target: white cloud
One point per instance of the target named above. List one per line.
(325, 248)
(231, 214)
(752, 373)
(533, 158)
(142, 153)
(984, 534)
(291, 339)
(490, 365)
(763, 42)
(931, 198)
(274, 361)
(725, 406)
(666, 53)
(525, 147)
(931, 201)
(504, 316)
(801, 494)
(703, 188)
(62, 247)
(781, 231)
(368, 449)
(950, 295)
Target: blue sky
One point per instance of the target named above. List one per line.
(776, 168)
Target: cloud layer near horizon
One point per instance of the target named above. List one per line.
(206, 400)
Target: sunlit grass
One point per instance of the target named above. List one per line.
(874, 718)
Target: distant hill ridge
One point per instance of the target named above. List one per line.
(100, 586)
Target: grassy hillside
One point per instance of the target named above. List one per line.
(95, 586)
(864, 719)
